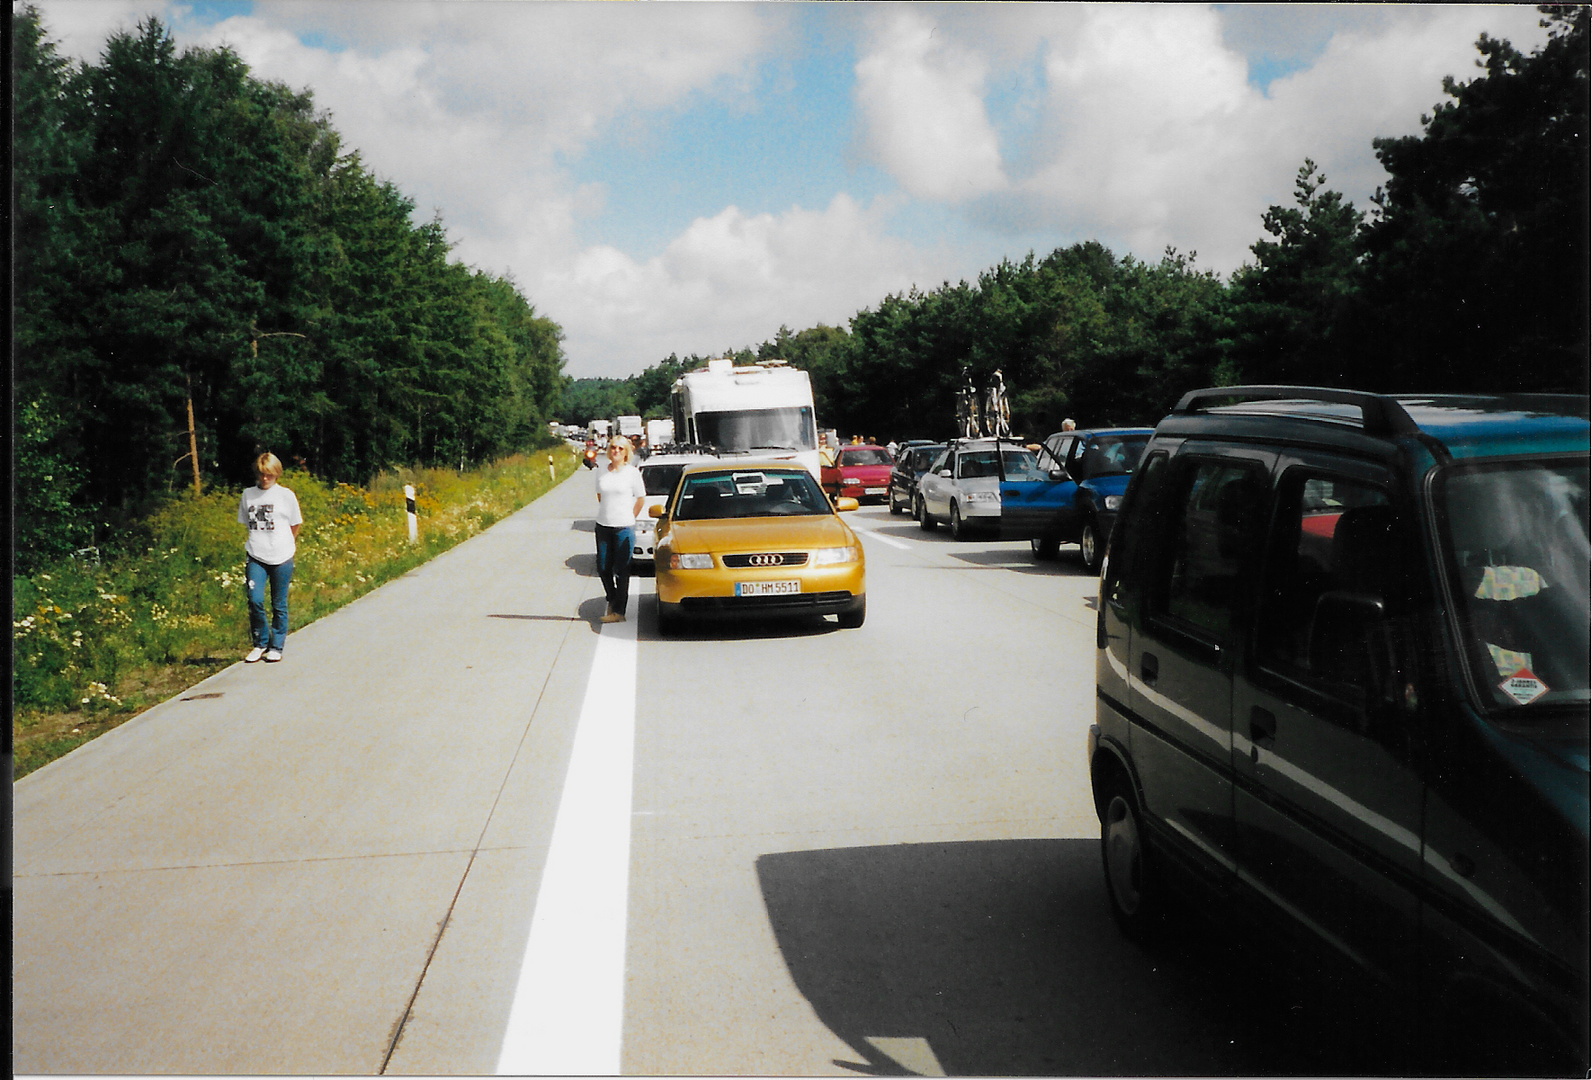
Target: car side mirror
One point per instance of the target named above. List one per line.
(1058, 474)
(945, 473)
(656, 511)
(846, 503)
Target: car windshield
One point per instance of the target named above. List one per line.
(661, 479)
(744, 430)
(1515, 540)
(750, 493)
(1018, 465)
(1114, 455)
(865, 455)
(924, 456)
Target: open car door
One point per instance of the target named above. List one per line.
(1036, 493)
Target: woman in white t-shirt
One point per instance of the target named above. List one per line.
(621, 493)
(271, 513)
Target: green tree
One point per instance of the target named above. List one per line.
(1478, 250)
(1291, 307)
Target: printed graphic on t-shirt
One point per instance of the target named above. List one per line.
(262, 517)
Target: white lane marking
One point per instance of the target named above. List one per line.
(568, 1014)
(870, 534)
(912, 1053)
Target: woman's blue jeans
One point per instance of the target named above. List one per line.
(280, 577)
(613, 564)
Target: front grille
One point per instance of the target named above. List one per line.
(766, 559)
(710, 604)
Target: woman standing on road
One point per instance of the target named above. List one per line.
(621, 493)
(271, 513)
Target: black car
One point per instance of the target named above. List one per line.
(1342, 704)
(912, 460)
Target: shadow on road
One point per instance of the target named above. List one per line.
(1022, 561)
(584, 564)
(1003, 957)
(740, 628)
(538, 618)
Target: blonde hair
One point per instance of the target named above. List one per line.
(267, 464)
(624, 444)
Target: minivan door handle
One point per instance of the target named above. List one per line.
(1262, 731)
(1149, 668)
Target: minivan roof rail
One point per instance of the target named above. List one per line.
(1379, 414)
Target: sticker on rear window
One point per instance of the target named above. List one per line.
(1523, 686)
(1509, 583)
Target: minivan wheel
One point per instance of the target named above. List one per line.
(1089, 546)
(1130, 881)
(922, 514)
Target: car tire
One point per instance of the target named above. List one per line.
(1090, 547)
(1133, 888)
(895, 507)
(851, 620)
(1044, 548)
(959, 530)
(925, 520)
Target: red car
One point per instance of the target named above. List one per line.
(859, 472)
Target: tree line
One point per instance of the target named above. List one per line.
(1467, 273)
(186, 232)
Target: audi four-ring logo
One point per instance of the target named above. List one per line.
(765, 560)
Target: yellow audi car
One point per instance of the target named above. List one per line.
(755, 538)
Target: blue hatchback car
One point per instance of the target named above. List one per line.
(1075, 498)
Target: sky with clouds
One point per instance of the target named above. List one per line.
(687, 177)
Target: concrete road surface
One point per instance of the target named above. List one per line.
(464, 828)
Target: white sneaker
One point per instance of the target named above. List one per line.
(253, 655)
(273, 655)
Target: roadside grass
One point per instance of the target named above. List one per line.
(96, 643)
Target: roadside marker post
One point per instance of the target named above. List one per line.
(414, 522)
(550, 474)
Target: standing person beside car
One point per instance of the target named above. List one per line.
(271, 513)
(621, 493)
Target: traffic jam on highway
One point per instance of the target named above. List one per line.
(1342, 678)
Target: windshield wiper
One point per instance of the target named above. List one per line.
(792, 448)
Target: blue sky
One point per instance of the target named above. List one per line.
(680, 177)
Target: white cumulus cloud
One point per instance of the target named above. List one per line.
(922, 104)
(732, 279)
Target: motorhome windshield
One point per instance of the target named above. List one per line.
(749, 430)
(1515, 536)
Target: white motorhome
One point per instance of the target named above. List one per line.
(763, 409)
(628, 426)
(660, 433)
(598, 430)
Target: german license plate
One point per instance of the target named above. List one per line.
(873, 491)
(767, 588)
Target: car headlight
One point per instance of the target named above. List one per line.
(980, 496)
(702, 561)
(831, 556)
(852, 479)
(1113, 502)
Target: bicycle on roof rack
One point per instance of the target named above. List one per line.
(997, 409)
(967, 420)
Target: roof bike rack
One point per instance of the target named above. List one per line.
(1379, 414)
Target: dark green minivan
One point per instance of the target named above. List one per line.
(1342, 697)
